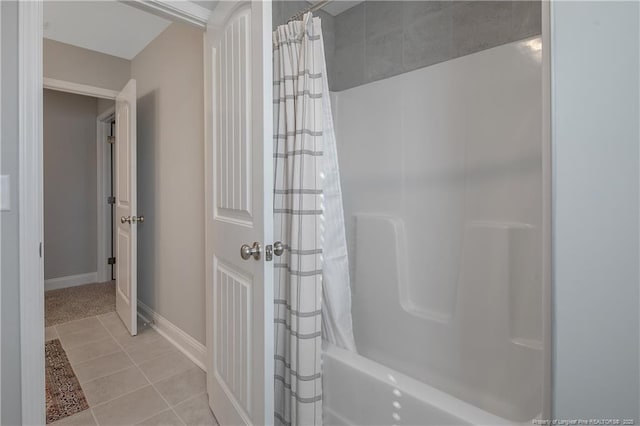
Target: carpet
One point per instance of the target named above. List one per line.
(63, 392)
(73, 303)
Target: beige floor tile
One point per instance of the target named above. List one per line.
(182, 386)
(196, 411)
(114, 385)
(130, 408)
(92, 350)
(166, 365)
(103, 366)
(50, 333)
(147, 349)
(82, 337)
(146, 334)
(85, 324)
(166, 418)
(113, 323)
(84, 418)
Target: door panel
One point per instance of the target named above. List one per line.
(239, 188)
(233, 332)
(234, 156)
(125, 193)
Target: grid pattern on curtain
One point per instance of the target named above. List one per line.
(298, 63)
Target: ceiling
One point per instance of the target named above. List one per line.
(115, 28)
(110, 27)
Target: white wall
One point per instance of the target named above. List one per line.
(441, 173)
(70, 228)
(169, 74)
(595, 48)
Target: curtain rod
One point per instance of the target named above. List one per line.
(316, 6)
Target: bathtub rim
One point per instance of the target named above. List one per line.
(423, 392)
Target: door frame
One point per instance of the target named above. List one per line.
(30, 192)
(30, 213)
(103, 172)
(0, 224)
(547, 214)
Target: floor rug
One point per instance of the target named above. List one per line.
(73, 303)
(64, 394)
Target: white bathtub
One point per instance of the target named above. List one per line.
(358, 391)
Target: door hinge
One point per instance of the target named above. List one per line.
(111, 261)
(111, 139)
(40, 249)
(111, 200)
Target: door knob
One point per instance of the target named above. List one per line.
(138, 219)
(246, 252)
(278, 248)
(125, 219)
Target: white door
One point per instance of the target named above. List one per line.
(125, 218)
(239, 191)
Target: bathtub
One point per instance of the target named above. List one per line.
(358, 391)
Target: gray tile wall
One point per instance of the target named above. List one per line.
(283, 10)
(380, 39)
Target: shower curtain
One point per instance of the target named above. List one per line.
(305, 220)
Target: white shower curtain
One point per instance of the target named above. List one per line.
(305, 224)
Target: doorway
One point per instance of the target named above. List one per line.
(77, 207)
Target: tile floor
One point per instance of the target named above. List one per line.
(141, 380)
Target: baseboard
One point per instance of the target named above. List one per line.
(194, 350)
(70, 281)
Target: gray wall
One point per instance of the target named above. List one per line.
(169, 73)
(70, 63)
(283, 10)
(380, 39)
(595, 120)
(10, 378)
(70, 228)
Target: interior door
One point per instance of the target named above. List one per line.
(125, 218)
(239, 191)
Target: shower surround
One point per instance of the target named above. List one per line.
(438, 116)
(444, 223)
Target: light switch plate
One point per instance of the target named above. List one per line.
(5, 193)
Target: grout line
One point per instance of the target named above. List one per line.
(105, 375)
(88, 341)
(77, 320)
(190, 398)
(94, 357)
(163, 378)
(95, 419)
(197, 396)
(171, 408)
(55, 328)
(66, 348)
(153, 357)
(163, 398)
(167, 409)
(147, 378)
(120, 396)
